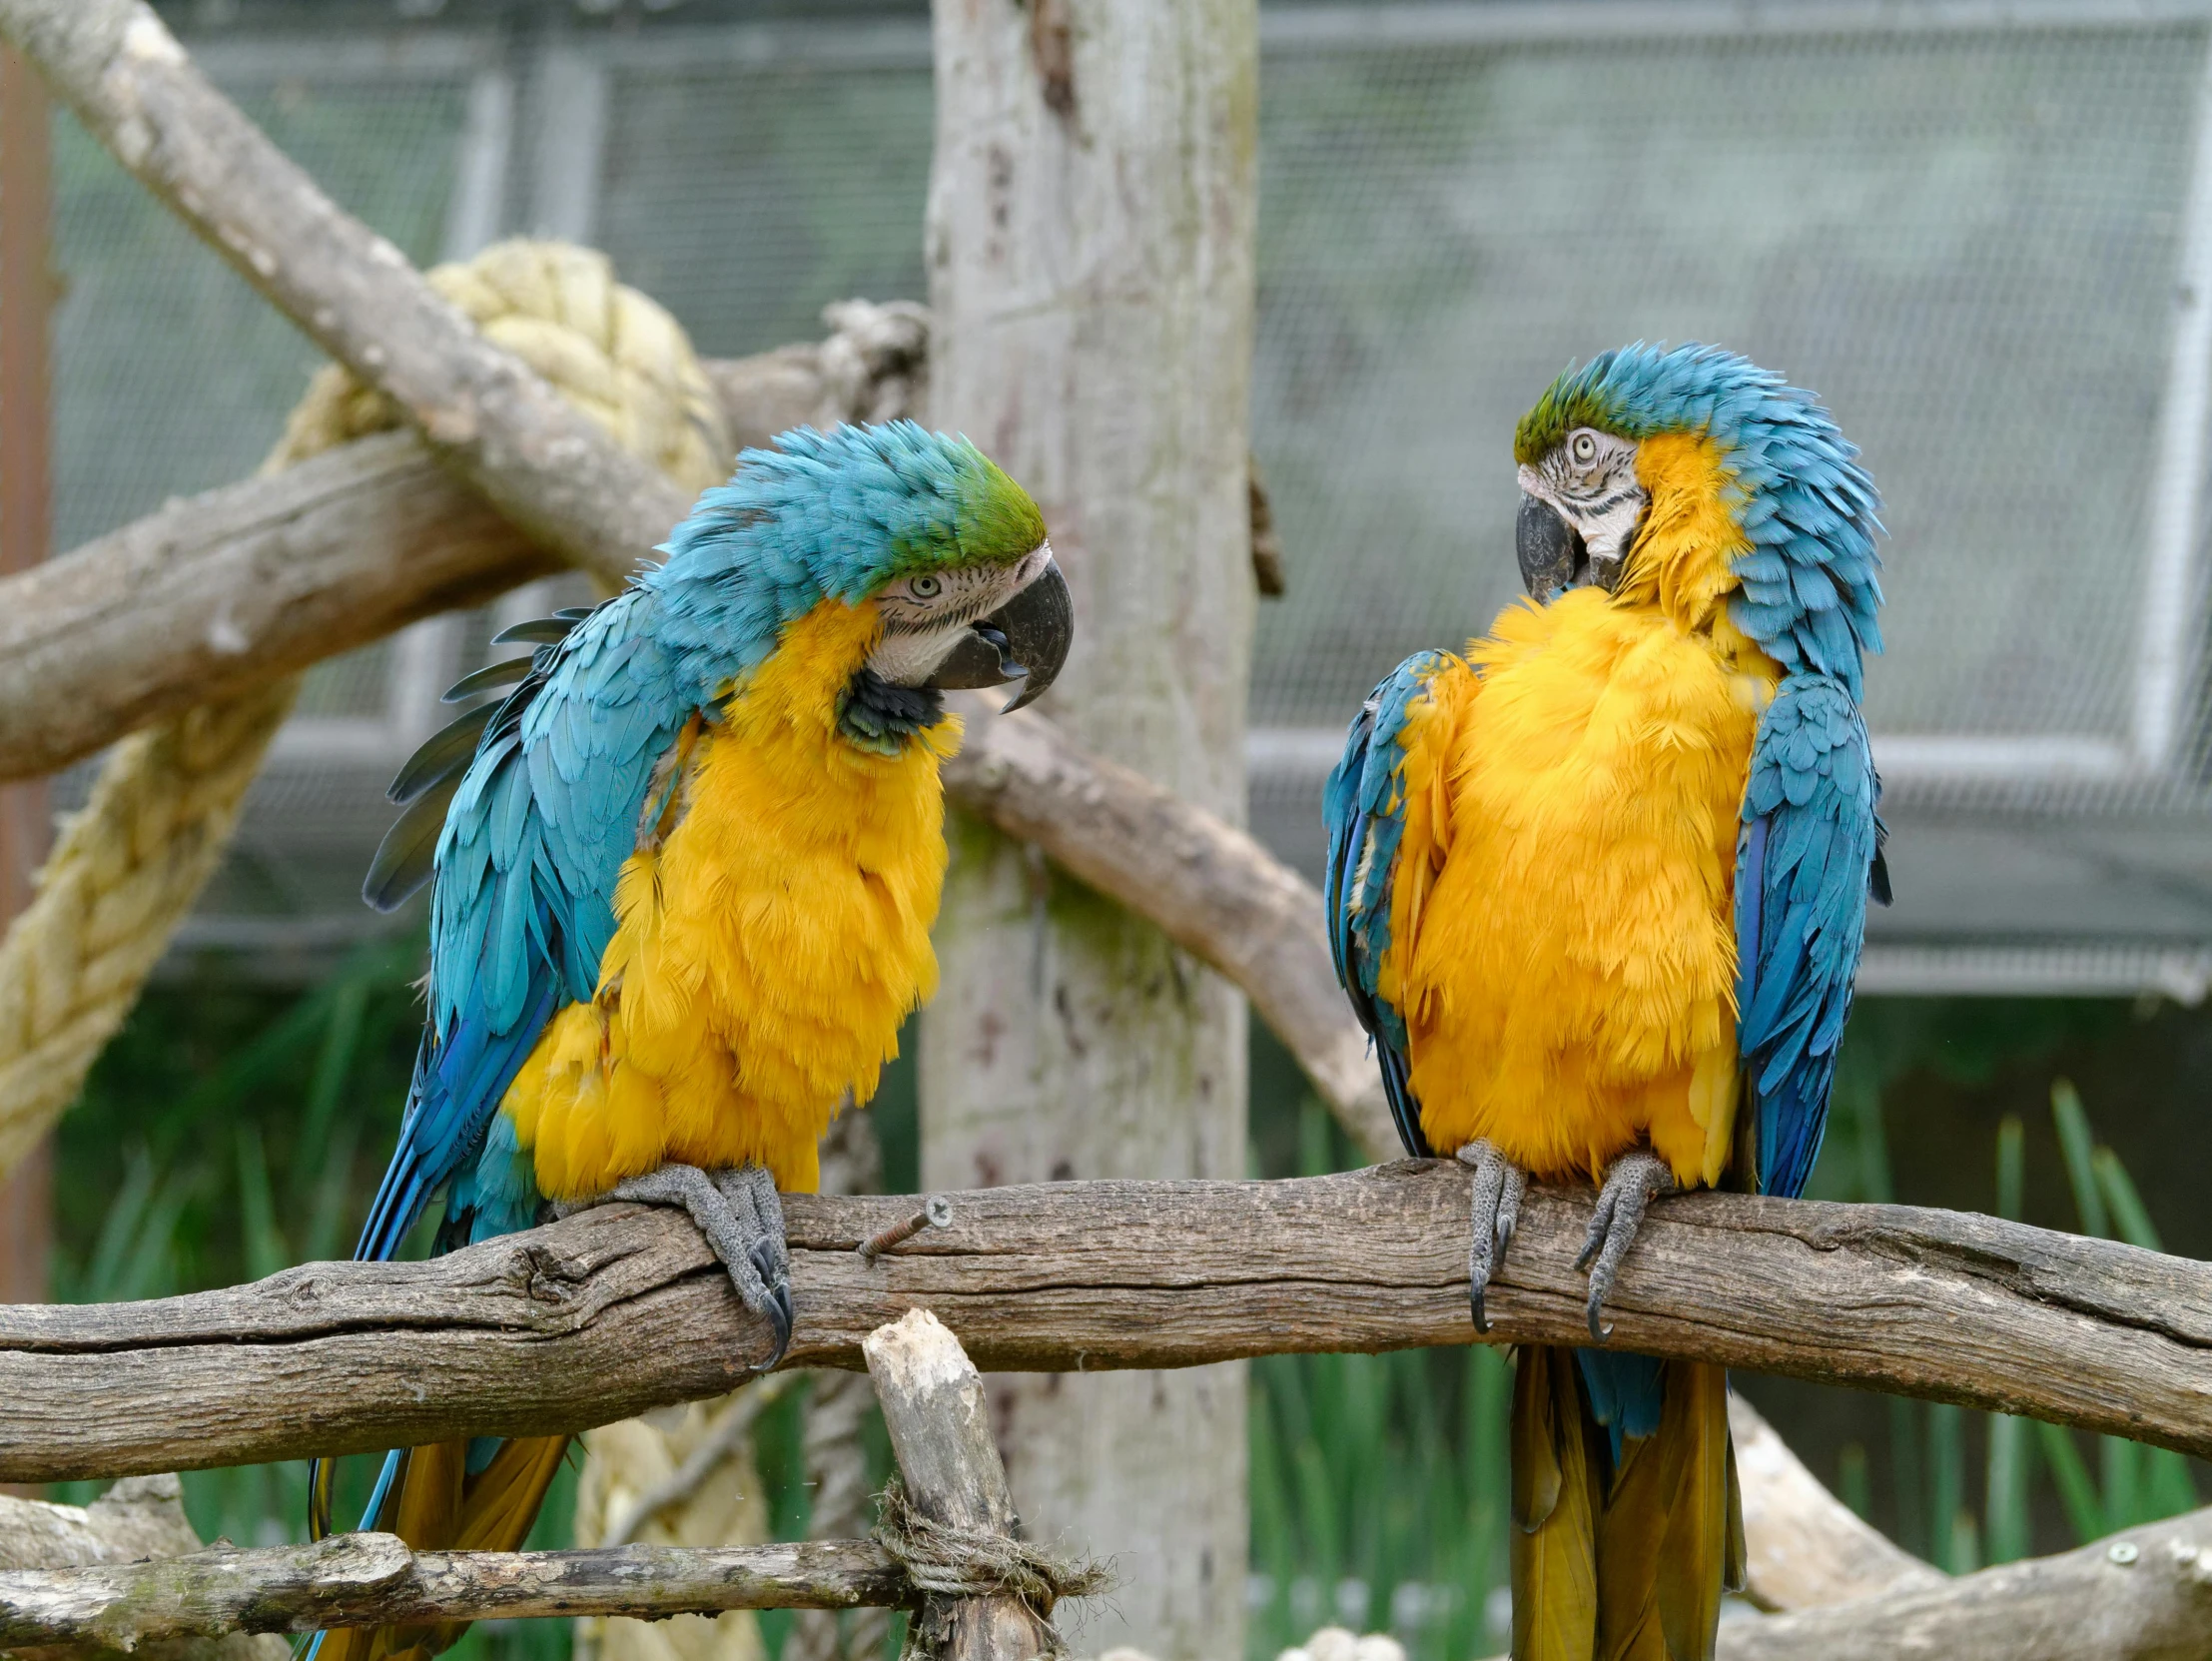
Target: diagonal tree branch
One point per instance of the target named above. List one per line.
(531, 453)
(616, 1311)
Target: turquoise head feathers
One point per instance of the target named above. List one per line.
(823, 516)
(1810, 581)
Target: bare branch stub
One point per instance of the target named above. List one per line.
(953, 1501)
(616, 1311)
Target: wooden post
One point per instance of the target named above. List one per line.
(940, 1425)
(26, 297)
(1090, 243)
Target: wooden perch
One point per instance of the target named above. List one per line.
(620, 1310)
(375, 1580)
(537, 458)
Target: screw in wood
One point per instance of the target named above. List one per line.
(935, 1212)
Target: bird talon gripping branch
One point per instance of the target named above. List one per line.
(685, 873)
(1597, 890)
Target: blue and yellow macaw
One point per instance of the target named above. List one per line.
(1598, 889)
(685, 877)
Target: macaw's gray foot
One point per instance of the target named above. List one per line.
(741, 1214)
(1630, 1183)
(1499, 1185)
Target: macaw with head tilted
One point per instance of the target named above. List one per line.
(1598, 889)
(685, 873)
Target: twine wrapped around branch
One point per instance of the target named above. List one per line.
(949, 1562)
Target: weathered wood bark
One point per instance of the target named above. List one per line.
(1090, 242)
(2145, 1595)
(1806, 1548)
(940, 1425)
(533, 456)
(374, 1579)
(140, 1519)
(618, 1309)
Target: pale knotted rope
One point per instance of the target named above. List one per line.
(128, 867)
(951, 1561)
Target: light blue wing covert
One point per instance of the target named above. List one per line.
(1808, 858)
(1364, 808)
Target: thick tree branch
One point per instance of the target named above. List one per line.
(374, 1581)
(533, 456)
(617, 1310)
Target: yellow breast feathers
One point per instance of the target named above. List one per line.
(772, 934)
(1563, 941)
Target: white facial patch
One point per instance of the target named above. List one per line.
(1589, 476)
(924, 617)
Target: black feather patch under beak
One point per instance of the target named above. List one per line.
(1025, 640)
(1550, 549)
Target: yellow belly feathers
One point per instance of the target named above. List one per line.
(1563, 933)
(768, 946)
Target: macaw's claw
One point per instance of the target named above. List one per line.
(1630, 1183)
(741, 1215)
(1499, 1185)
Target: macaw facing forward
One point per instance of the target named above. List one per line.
(1598, 892)
(685, 877)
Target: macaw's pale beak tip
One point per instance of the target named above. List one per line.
(1026, 640)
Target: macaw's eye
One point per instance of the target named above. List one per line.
(1583, 449)
(924, 587)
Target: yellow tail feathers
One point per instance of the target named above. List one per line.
(1621, 1565)
(436, 1505)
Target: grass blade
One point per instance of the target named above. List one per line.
(2129, 1216)
(2004, 1503)
(2084, 1509)
(2075, 1142)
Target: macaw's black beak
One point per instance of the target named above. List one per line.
(1550, 549)
(1025, 640)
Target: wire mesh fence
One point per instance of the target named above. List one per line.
(1987, 245)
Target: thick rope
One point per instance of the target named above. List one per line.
(128, 867)
(949, 1561)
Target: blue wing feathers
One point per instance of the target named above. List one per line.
(523, 907)
(1364, 808)
(1805, 866)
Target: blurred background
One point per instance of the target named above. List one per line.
(1983, 236)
